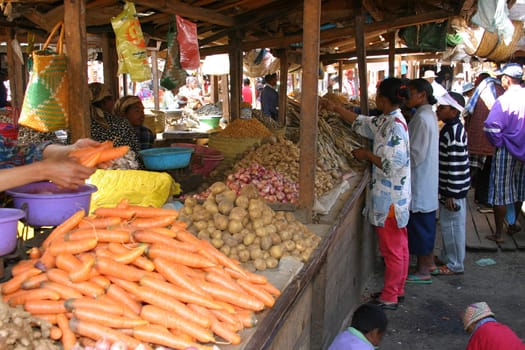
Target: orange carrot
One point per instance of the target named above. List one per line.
(46, 261)
(162, 240)
(179, 256)
(34, 253)
(162, 317)
(125, 310)
(173, 274)
(108, 320)
(150, 212)
(243, 300)
(83, 273)
(112, 153)
(15, 283)
(163, 231)
(64, 227)
(98, 332)
(55, 333)
(270, 288)
(45, 306)
(101, 235)
(250, 276)
(257, 292)
(34, 281)
(157, 334)
(94, 222)
(246, 317)
(87, 288)
(64, 291)
(98, 305)
(91, 160)
(33, 294)
(228, 318)
(128, 255)
(181, 294)
(228, 283)
(115, 212)
(158, 221)
(125, 254)
(23, 265)
(68, 337)
(72, 247)
(123, 297)
(51, 318)
(184, 235)
(67, 262)
(123, 204)
(218, 327)
(101, 281)
(110, 267)
(223, 259)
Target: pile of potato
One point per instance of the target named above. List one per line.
(245, 228)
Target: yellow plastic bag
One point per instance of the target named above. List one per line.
(131, 47)
(146, 188)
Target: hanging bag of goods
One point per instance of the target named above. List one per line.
(188, 43)
(46, 107)
(173, 76)
(131, 46)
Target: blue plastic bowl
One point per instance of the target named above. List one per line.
(166, 158)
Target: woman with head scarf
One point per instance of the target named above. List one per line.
(106, 126)
(132, 109)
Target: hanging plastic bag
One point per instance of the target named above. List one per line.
(131, 47)
(188, 44)
(173, 76)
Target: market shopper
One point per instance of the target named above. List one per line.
(424, 162)
(486, 332)
(438, 89)
(192, 93)
(106, 126)
(366, 331)
(505, 129)
(387, 206)
(247, 91)
(132, 109)
(270, 97)
(41, 162)
(454, 183)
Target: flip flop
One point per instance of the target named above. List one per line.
(495, 239)
(434, 270)
(415, 279)
(445, 271)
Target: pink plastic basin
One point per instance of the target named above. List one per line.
(8, 229)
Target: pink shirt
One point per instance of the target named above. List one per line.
(494, 336)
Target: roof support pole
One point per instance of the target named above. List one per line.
(16, 74)
(283, 85)
(361, 55)
(236, 69)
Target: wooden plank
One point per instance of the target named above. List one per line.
(508, 243)
(519, 238)
(473, 239)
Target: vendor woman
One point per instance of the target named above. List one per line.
(132, 109)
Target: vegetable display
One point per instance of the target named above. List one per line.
(135, 276)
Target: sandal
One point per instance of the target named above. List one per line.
(495, 238)
(513, 229)
(445, 271)
(376, 295)
(417, 279)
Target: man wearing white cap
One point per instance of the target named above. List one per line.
(438, 89)
(487, 333)
(457, 85)
(505, 129)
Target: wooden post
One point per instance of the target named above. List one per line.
(361, 55)
(283, 86)
(16, 76)
(308, 128)
(391, 37)
(110, 64)
(340, 76)
(214, 93)
(76, 41)
(236, 69)
(155, 74)
(224, 98)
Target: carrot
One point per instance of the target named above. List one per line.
(115, 212)
(67, 262)
(91, 160)
(179, 256)
(110, 267)
(46, 261)
(250, 276)
(126, 311)
(33, 294)
(163, 231)
(181, 294)
(15, 283)
(111, 320)
(45, 306)
(94, 222)
(157, 334)
(101, 235)
(257, 292)
(64, 227)
(83, 273)
(34, 281)
(163, 240)
(247, 317)
(150, 212)
(184, 235)
(158, 221)
(217, 327)
(173, 274)
(128, 255)
(73, 247)
(223, 259)
(226, 282)
(194, 274)
(101, 281)
(230, 319)
(64, 291)
(270, 288)
(55, 333)
(124, 254)
(98, 332)
(163, 317)
(98, 305)
(123, 204)
(68, 337)
(34, 253)
(243, 300)
(22, 266)
(123, 297)
(51, 318)
(112, 153)
(87, 288)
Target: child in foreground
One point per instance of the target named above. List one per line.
(366, 331)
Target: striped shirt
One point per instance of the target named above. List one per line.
(454, 170)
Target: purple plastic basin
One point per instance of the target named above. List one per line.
(48, 205)
(8, 229)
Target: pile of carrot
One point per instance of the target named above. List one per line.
(92, 156)
(135, 275)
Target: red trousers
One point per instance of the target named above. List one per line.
(393, 245)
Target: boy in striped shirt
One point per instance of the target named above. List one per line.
(454, 183)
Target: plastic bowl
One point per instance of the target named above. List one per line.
(210, 122)
(48, 205)
(166, 158)
(9, 229)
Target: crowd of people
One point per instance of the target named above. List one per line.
(420, 171)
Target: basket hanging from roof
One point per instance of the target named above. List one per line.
(502, 52)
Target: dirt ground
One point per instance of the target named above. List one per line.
(430, 316)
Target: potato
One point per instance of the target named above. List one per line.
(267, 217)
(217, 242)
(190, 202)
(249, 191)
(271, 263)
(266, 242)
(249, 238)
(257, 223)
(234, 226)
(290, 217)
(289, 245)
(218, 187)
(225, 249)
(227, 195)
(203, 235)
(280, 224)
(200, 225)
(276, 251)
(254, 213)
(285, 235)
(297, 237)
(279, 215)
(308, 242)
(239, 236)
(186, 211)
(276, 239)
(220, 221)
(261, 232)
(230, 241)
(242, 201)
(216, 234)
(270, 229)
(225, 207)
(244, 255)
(256, 204)
(237, 213)
(255, 253)
(265, 255)
(260, 264)
(211, 207)
(300, 246)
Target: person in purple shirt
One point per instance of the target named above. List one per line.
(505, 129)
(366, 331)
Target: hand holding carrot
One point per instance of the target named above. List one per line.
(100, 154)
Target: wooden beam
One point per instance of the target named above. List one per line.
(236, 69)
(391, 37)
(373, 10)
(110, 64)
(76, 38)
(352, 54)
(184, 10)
(309, 115)
(361, 55)
(283, 85)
